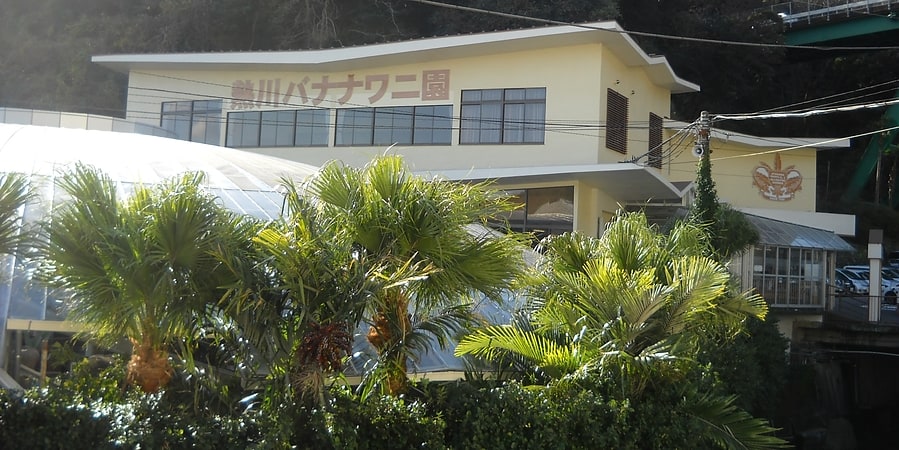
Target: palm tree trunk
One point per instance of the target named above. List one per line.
(392, 323)
(149, 367)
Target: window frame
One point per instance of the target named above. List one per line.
(394, 125)
(193, 120)
(485, 116)
(317, 130)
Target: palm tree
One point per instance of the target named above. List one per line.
(14, 193)
(422, 237)
(303, 290)
(629, 307)
(142, 268)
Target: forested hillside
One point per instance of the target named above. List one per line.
(47, 45)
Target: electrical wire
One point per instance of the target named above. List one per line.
(652, 35)
(810, 145)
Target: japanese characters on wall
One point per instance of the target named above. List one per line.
(428, 85)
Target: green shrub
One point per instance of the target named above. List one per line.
(379, 422)
(33, 423)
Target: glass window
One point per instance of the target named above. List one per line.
(503, 116)
(277, 128)
(433, 125)
(393, 126)
(355, 126)
(243, 129)
(312, 126)
(280, 128)
(405, 125)
(654, 155)
(790, 276)
(193, 120)
(542, 211)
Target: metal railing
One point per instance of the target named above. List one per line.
(809, 11)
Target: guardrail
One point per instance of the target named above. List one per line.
(808, 11)
(78, 120)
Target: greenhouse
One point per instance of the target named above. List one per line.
(244, 182)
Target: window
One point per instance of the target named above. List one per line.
(404, 125)
(655, 141)
(503, 116)
(541, 211)
(616, 121)
(789, 276)
(285, 128)
(193, 120)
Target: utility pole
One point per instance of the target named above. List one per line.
(705, 130)
(706, 202)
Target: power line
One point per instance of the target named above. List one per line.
(641, 33)
(810, 145)
(799, 114)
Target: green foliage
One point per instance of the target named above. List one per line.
(427, 243)
(89, 408)
(705, 206)
(728, 229)
(147, 267)
(508, 416)
(731, 232)
(15, 191)
(752, 365)
(26, 422)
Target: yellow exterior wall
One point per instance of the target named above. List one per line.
(643, 98)
(748, 177)
(575, 78)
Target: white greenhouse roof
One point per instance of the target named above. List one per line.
(136, 158)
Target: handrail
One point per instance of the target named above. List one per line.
(796, 11)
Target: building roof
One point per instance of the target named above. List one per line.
(136, 158)
(626, 182)
(609, 34)
(785, 234)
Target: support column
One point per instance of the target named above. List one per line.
(875, 290)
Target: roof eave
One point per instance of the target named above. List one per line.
(607, 33)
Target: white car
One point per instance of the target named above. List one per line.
(889, 285)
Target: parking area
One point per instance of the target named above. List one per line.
(855, 308)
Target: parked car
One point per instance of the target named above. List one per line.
(853, 283)
(889, 285)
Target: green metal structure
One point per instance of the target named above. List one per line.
(848, 23)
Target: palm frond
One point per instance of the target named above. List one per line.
(730, 426)
(494, 342)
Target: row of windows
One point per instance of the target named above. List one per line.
(488, 116)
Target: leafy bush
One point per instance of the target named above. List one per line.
(95, 412)
(26, 422)
(378, 422)
(561, 416)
